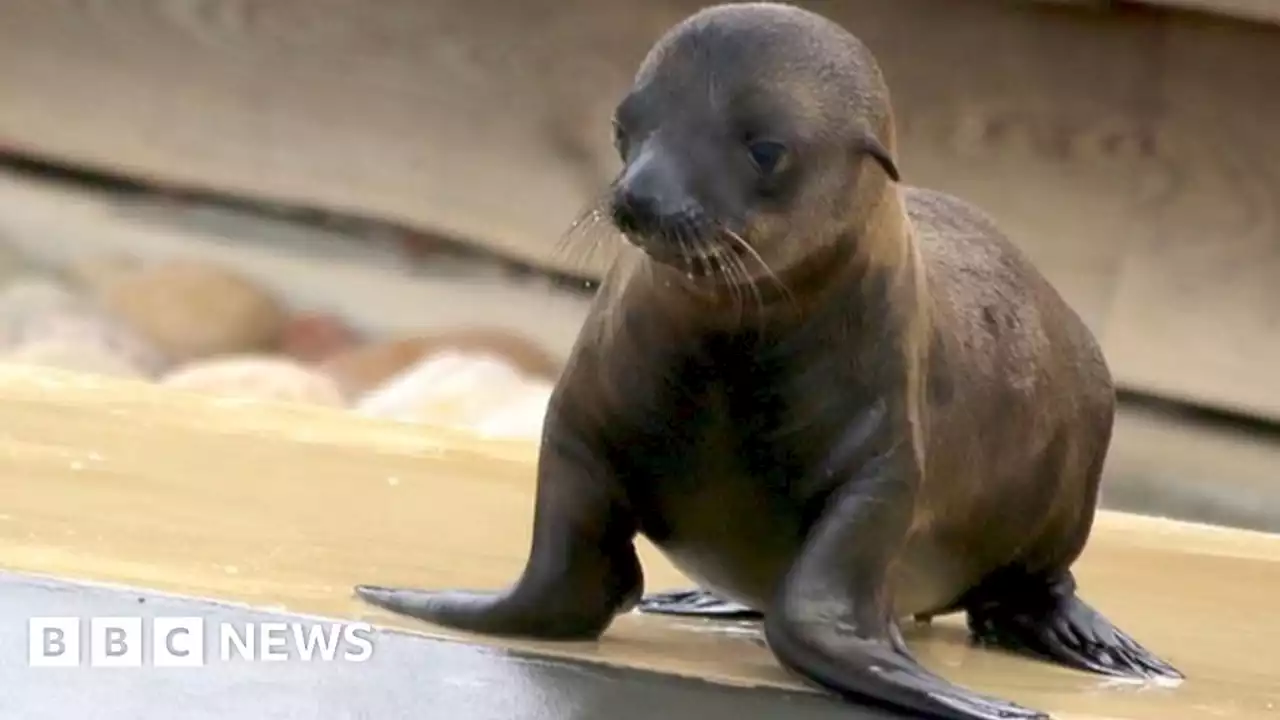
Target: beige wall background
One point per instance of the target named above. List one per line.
(1132, 153)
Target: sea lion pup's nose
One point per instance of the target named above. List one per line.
(649, 199)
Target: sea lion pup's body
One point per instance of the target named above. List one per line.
(833, 399)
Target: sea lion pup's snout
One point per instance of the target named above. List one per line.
(653, 208)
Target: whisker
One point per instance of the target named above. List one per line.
(719, 274)
(760, 261)
(567, 245)
(578, 245)
(680, 232)
(752, 302)
(737, 282)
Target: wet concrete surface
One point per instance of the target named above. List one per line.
(405, 676)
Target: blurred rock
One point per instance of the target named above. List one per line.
(100, 334)
(194, 310)
(462, 389)
(14, 263)
(520, 416)
(44, 312)
(67, 354)
(314, 337)
(96, 273)
(29, 297)
(257, 377)
(360, 370)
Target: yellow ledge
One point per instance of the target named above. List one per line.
(288, 507)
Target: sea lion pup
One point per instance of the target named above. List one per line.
(834, 399)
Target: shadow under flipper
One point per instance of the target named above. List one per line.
(696, 603)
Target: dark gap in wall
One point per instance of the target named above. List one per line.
(1191, 412)
(306, 215)
(1143, 11)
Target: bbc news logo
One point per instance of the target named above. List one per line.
(185, 641)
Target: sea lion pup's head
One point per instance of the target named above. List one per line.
(754, 137)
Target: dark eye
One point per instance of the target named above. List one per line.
(767, 155)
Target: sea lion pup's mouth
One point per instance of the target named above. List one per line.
(715, 255)
(654, 211)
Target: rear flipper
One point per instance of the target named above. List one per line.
(1051, 622)
(696, 603)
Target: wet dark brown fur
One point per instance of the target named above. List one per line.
(831, 399)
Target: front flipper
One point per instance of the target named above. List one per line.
(696, 603)
(833, 621)
(1048, 620)
(515, 613)
(582, 568)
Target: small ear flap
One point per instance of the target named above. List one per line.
(872, 147)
